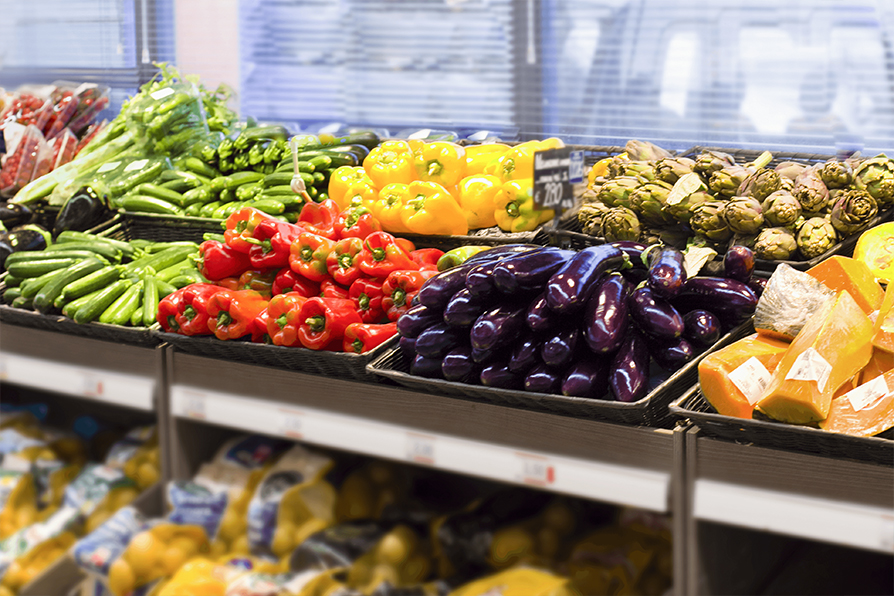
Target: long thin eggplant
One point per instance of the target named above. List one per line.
(672, 355)
(426, 367)
(480, 280)
(653, 315)
(485, 357)
(437, 291)
(498, 375)
(464, 309)
(605, 317)
(757, 285)
(538, 317)
(559, 350)
(525, 354)
(634, 252)
(729, 299)
(458, 366)
(738, 263)
(629, 371)
(568, 289)
(701, 328)
(587, 377)
(439, 339)
(543, 379)
(530, 270)
(417, 319)
(666, 272)
(501, 251)
(498, 327)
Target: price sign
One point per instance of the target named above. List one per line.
(555, 173)
(421, 448)
(292, 424)
(194, 405)
(92, 386)
(536, 470)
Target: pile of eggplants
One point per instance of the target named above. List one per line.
(593, 323)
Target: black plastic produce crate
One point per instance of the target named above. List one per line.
(45, 215)
(163, 228)
(651, 410)
(791, 437)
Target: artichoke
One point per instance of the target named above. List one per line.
(672, 169)
(837, 174)
(852, 211)
(775, 244)
(760, 184)
(743, 215)
(616, 192)
(711, 161)
(816, 236)
(648, 202)
(786, 184)
(811, 191)
(746, 240)
(876, 176)
(645, 151)
(589, 196)
(620, 223)
(781, 209)
(590, 217)
(689, 191)
(707, 220)
(789, 170)
(728, 180)
(645, 170)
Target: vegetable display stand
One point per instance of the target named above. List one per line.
(789, 437)
(164, 228)
(650, 410)
(487, 237)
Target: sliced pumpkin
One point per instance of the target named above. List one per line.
(843, 273)
(864, 411)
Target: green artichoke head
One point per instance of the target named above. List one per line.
(781, 209)
(711, 161)
(707, 220)
(775, 244)
(645, 151)
(727, 181)
(616, 192)
(648, 202)
(687, 192)
(743, 215)
(786, 184)
(790, 170)
(645, 170)
(811, 191)
(853, 211)
(760, 184)
(816, 236)
(620, 223)
(590, 217)
(671, 169)
(876, 176)
(746, 240)
(837, 174)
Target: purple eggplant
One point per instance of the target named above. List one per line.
(672, 355)
(426, 367)
(559, 350)
(458, 366)
(486, 356)
(701, 328)
(757, 285)
(629, 371)
(543, 379)
(587, 377)
(666, 272)
(439, 339)
(501, 251)
(417, 319)
(539, 317)
(569, 288)
(498, 327)
(530, 270)
(729, 299)
(525, 354)
(438, 291)
(738, 263)
(605, 317)
(480, 280)
(407, 347)
(654, 315)
(634, 252)
(463, 309)
(498, 375)
(635, 276)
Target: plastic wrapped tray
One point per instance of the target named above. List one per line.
(790, 437)
(651, 410)
(134, 336)
(330, 364)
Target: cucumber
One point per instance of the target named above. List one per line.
(150, 300)
(152, 190)
(46, 297)
(248, 191)
(277, 179)
(10, 294)
(234, 181)
(319, 178)
(321, 162)
(178, 185)
(208, 209)
(269, 206)
(191, 178)
(197, 166)
(107, 251)
(144, 204)
(147, 174)
(200, 194)
(119, 312)
(30, 287)
(37, 268)
(88, 283)
(194, 210)
(11, 281)
(279, 190)
(91, 310)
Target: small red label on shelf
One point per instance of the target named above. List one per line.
(536, 470)
(291, 424)
(93, 386)
(194, 405)
(421, 448)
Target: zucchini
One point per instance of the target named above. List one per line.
(121, 309)
(44, 255)
(150, 300)
(72, 307)
(96, 279)
(197, 166)
(185, 279)
(194, 210)
(147, 174)
(320, 162)
(319, 178)
(174, 270)
(91, 310)
(368, 139)
(70, 236)
(152, 190)
(144, 204)
(208, 209)
(277, 179)
(161, 260)
(190, 178)
(227, 195)
(37, 268)
(11, 281)
(248, 191)
(279, 191)
(200, 194)
(30, 287)
(46, 297)
(290, 216)
(269, 206)
(178, 185)
(252, 135)
(10, 294)
(234, 181)
(22, 302)
(107, 251)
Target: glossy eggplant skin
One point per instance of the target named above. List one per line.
(439, 339)
(525, 354)
(701, 328)
(538, 317)
(498, 327)
(458, 366)
(757, 285)
(501, 251)
(5, 250)
(569, 288)
(605, 316)
(82, 211)
(729, 299)
(30, 237)
(629, 371)
(417, 319)
(484, 357)
(588, 377)
(480, 280)
(12, 215)
(530, 270)
(438, 291)
(543, 379)
(738, 263)
(634, 252)
(407, 347)
(426, 367)
(559, 350)
(653, 315)
(463, 309)
(498, 375)
(672, 356)
(666, 272)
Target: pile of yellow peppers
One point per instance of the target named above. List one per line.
(441, 188)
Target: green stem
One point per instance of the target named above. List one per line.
(224, 319)
(316, 323)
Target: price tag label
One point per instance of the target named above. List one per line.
(161, 93)
(536, 470)
(4, 371)
(887, 533)
(421, 449)
(194, 405)
(92, 385)
(291, 424)
(555, 173)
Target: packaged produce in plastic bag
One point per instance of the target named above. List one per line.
(25, 104)
(520, 581)
(232, 577)
(137, 455)
(22, 158)
(64, 146)
(366, 491)
(169, 119)
(92, 99)
(217, 498)
(101, 548)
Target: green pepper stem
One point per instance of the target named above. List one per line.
(345, 260)
(282, 320)
(512, 210)
(399, 297)
(316, 323)
(363, 302)
(189, 312)
(435, 168)
(224, 319)
(307, 253)
(378, 254)
(172, 322)
(357, 345)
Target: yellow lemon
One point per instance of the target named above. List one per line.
(147, 475)
(144, 552)
(121, 578)
(124, 496)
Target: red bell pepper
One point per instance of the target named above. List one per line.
(282, 321)
(240, 226)
(272, 240)
(363, 337)
(381, 255)
(308, 256)
(342, 261)
(357, 221)
(193, 317)
(217, 260)
(319, 218)
(399, 289)
(367, 296)
(405, 244)
(229, 283)
(322, 322)
(231, 313)
(259, 333)
(427, 258)
(169, 309)
(330, 289)
(288, 281)
(259, 280)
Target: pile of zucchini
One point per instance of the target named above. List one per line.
(91, 278)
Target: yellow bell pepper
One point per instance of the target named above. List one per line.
(387, 209)
(392, 161)
(477, 197)
(478, 157)
(362, 192)
(433, 211)
(515, 210)
(341, 179)
(442, 162)
(599, 169)
(518, 162)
